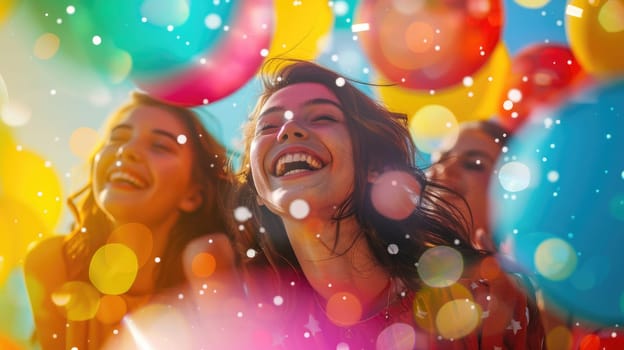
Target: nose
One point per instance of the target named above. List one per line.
(292, 130)
(447, 172)
(129, 151)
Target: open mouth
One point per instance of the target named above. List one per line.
(124, 178)
(293, 163)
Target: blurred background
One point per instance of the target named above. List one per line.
(65, 65)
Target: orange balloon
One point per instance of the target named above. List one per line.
(7, 343)
(595, 31)
(474, 99)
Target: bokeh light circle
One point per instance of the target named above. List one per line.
(458, 318)
(112, 309)
(431, 125)
(440, 266)
(344, 309)
(82, 142)
(203, 265)
(79, 300)
(137, 237)
(397, 336)
(113, 268)
(395, 194)
(555, 259)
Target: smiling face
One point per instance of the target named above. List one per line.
(143, 172)
(301, 149)
(467, 168)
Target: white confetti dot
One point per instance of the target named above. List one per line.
(278, 300)
(70, 10)
(552, 176)
(181, 139)
(251, 253)
(393, 249)
(340, 81)
(242, 214)
(299, 209)
(96, 40)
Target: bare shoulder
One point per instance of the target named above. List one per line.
(45, 258)
(44, 264)
(216, 245)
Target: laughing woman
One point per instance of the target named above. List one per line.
(348, 248)
(155, 184)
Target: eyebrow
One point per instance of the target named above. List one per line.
(154, 131)
(316, 101)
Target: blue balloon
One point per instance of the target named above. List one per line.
(558, 203)
(344, 13)
(225, 118)
(546, 25)
(345, 56)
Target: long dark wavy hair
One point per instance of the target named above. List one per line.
(92, 228)
(381, 142)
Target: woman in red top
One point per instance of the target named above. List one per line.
(349, 246)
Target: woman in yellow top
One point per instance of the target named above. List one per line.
(155, 185)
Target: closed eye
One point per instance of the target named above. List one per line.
(325, 118)
(477, 164)
(266, 127)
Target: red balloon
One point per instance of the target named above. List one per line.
(429, 44)
(231, 63)
(542, 76)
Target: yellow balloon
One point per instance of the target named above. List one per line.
(301, 28)
(5, 9)
(7, 142)
(595, 31)
(30, 180)
(475, 99)
(19, 227)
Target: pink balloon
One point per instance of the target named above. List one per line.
(231, 63)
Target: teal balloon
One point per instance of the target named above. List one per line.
(162, 34)
(75, 31)
(567, 226)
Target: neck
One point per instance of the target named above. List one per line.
(147, 273)
(335, 264)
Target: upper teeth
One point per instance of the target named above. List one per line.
(120, 175)
(312, 162)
